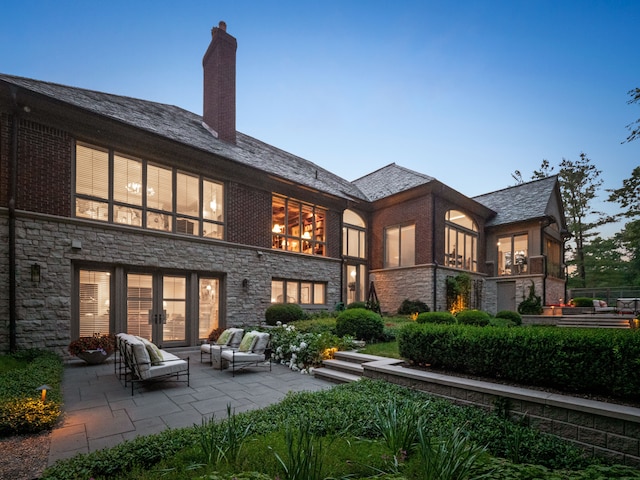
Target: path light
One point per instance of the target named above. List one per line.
(43, 389)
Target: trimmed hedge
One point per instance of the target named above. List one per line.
(436, 317)
(360, 323)
(582, 302)
(515, 317)
(408, 307)
(598, 361)
(473, 317)
(284, 313)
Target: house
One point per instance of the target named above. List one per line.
(123, 214)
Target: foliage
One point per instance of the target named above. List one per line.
(629, 240)
(436, 317)
(597, 361)
(605, 264)
(303, 460)
(397, 423)
(283, 313)
(583, 302)
(104, 343)
(360, 323)
(473, 317)
(317, 325)
(356, 305)
(458, 292)
(382, 349)
(532, 305)
(303, 351)
(407, 307)
(342, 415)
(634, 127)
(509, 315)
(21, 407)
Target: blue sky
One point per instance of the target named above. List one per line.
(464, 91)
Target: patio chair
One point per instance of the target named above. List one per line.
(230, 338)
(254, 350)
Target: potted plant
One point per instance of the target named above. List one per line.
(93, 350)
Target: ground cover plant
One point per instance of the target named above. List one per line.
(21, 407)
(336, 434)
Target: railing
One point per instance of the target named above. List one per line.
(608, 294)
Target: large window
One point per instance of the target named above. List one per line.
(298, 291)
(95, 298)
(112, 187)
(353, 235)
(400, 246)
(513, 254)
(297, 226)
(461, 241)
(553, 251)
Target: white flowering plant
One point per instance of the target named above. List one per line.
(304, 351)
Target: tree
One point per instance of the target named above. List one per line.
(634, 127)
(628, 196)
(579, 182)
(604, 264)
(629, 239)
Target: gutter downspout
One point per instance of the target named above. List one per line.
(13, 181)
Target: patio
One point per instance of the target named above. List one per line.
(99, 412)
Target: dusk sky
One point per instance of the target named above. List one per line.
(464, 91)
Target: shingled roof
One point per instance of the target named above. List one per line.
(185, 127)
(390, 180)
(523, 202)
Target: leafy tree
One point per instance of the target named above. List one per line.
(628, 196)
(634, 127)
(579, 182)
(604, 264)
(629, 239)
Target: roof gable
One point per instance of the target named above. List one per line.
(522, 202)
(390, 180)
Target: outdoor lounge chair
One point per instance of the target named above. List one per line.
(600, 306)
(229, 339)
(142, 361)
(254, 350)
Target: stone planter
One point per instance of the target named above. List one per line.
(93, 357)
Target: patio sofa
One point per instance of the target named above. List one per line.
(139, 360)
(254, 349)
(228, 339)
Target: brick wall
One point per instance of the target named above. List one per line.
(248, 215)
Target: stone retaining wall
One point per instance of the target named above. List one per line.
(602, 429)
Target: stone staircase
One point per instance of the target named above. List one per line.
(595, 321)
(347, 367)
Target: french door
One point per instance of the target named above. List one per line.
(157, 307)
(355, 282)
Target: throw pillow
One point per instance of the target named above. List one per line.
(261, 343)
(155, 355)
(247, 342)
(224, 337)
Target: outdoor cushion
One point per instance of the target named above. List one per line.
(246, 345)
(155, 354)
(262, 342)
(225, 337)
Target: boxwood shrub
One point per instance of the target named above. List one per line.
(407, 307)
(473, 317)
(436, 317)
(360, 323)
(284, 313)
(598, 361)
(582, 302)
(515, 317)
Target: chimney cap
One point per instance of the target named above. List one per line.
(222, 26)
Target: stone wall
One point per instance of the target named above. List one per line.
(603, 429)
(44, 309)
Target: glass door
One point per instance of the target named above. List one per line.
(156, 307)
(356, 287)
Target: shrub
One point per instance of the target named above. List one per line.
(596, 361)
(361, 323)
(515, 317)
(357, 305)
(436, 317)
(412, 306)
(283, 313)
(473, 317)
(582, 302)
(105, 343)
(532, 305)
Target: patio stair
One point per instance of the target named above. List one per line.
(594, 321)
(347, 367)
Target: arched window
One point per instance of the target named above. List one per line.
(353, 235)
(461, 241)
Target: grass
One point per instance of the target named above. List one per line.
(333, 433)
(384, 349)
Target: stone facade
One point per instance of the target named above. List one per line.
(44, 309)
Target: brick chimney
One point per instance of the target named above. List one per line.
(219, 63)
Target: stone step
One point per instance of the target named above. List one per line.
(594, 323)
(335, 376)
(344, 366)
(355, 357)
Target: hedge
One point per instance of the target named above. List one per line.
(360, 323)
(597, 361)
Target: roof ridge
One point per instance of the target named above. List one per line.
(517, 186)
